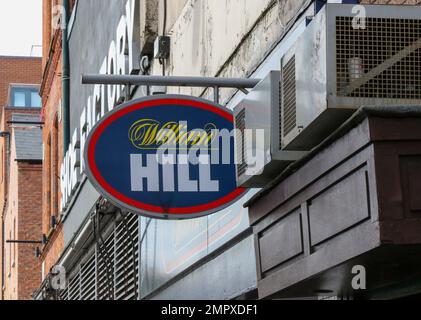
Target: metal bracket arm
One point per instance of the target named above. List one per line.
(170, 81)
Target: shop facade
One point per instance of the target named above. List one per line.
(110, 254)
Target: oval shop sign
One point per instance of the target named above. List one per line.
(167, 157)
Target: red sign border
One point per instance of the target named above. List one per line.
(143, 208)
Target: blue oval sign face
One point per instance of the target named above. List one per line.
(168, 157)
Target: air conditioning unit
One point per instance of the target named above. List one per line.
(342, 62)
(257, 121)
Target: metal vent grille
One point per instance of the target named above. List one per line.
(74, 288)
(87, 279)
(109, 271)
(289, 114)
(64, 294)
(126, 258)
(240, 124)
(381, 61)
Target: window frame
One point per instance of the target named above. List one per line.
(28, 90)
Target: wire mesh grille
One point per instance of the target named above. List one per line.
(289, 114)
(381, 61)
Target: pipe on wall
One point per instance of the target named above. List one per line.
(65, 78)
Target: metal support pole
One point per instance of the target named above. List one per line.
(216, 94)
(127, 92)
(170, 81)
(23, 242)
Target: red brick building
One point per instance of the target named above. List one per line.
(20, 181)
(52, 136)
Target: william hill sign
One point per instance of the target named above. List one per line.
(169, 157)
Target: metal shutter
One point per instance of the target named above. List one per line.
(74, 287)
(64, 294)
(110, 271)
(87, 279)
(126, 258)
(106, 269)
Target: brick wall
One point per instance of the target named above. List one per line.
(30, 202)
(23, 70)
(46, 30)
(10, 225)
(22, 222)
(17, 70)
(53, 250)
(53, 150)
(6, 116)
(53, 155)
(51, 92)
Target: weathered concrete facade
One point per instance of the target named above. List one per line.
(230, 40)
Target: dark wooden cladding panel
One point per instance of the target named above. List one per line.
(360, 198)
(281, 242)
(398, 179)
(340, 207)
(395, 129)
(323, 162)
(411, 184)
(414, 188)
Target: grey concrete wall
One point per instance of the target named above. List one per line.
(224, 38)
(93, 30)
(224, 277)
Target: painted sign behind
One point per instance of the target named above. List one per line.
(171, 247)
(169, 157)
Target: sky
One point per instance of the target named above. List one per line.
(20, 27)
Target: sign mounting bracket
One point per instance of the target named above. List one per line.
(173, 81)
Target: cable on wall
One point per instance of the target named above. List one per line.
(164, 27)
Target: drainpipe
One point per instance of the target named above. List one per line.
(5, 135)
(65, 78)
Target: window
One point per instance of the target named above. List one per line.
(47, 186)
(25, 96)
(19, 99)
(55, 168)
(35, 99)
